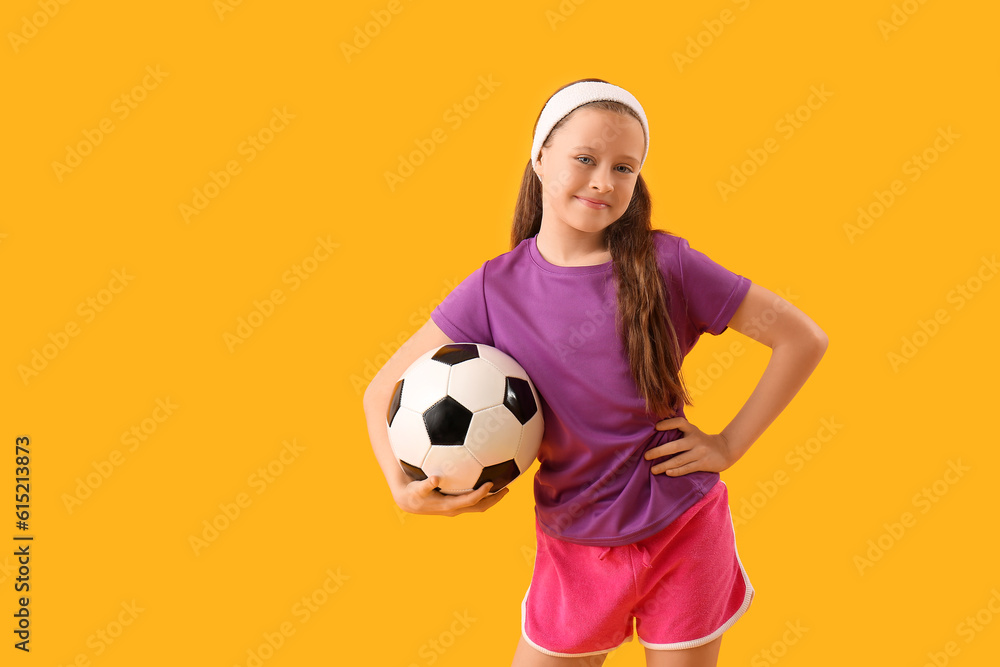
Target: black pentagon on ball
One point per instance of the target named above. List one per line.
(447, 422)
(456, 353)
(500, 474)
(397, 394)
(519, 399)
(413, 471)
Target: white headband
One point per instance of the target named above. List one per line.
(578, 94)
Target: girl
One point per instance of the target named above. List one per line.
(632, 520)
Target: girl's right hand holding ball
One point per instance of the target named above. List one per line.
(419, 497)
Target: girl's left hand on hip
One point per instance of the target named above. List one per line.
(695, 450)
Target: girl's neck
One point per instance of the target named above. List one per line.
(576, 249)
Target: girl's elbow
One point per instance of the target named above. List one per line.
(809, 339)
(808, 335)
(814, 343)
(820, 340)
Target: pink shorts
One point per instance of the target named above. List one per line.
(684, 586)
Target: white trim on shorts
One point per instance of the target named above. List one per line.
(729, 622)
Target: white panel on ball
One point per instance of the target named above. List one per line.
(424, 385)
(494, 435)
(454, 463)
(409, 436)
(476, 384)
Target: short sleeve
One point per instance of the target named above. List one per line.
(712, 293)
(462, 315)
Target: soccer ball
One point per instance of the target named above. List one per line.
(467, 413)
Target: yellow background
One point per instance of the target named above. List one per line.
(403, 582)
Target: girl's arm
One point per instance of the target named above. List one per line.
(797, 345)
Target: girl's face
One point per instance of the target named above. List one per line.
(594, 156)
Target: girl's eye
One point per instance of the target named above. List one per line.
(628, 169)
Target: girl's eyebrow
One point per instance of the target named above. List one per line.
(627, 157)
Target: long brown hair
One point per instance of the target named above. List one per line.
(643, 321)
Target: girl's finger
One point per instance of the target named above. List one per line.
(666, 449)
(480, 493)
(678, 461)
(495, 498)
(683, 469)
(429, 485)
(673, 422)
(466, 499)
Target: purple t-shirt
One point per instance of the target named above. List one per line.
(593, 485)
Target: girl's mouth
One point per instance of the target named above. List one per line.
(592, 204)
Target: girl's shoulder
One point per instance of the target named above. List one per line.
(667, 246)
(664, 239)
(513, 257)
